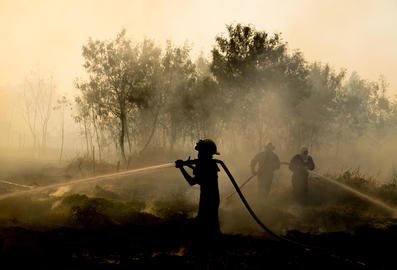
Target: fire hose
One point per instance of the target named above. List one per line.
(264, 227)
(255, 217)
(251, 212)
(355, 192)
(246, 182)
(190, 162)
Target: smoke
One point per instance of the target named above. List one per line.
(345, 122)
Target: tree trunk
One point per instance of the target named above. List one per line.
(86, 138)
(123, 122)
(173, 134)
(152, 132)
(127, 133)
(97, 135)
(93, 159)
(62, 138)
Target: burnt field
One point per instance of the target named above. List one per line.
(104, 105)
(145, 222)
(153, 243)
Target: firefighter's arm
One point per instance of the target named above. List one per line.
(310, 164)
(191, 180)
(253, 163)
(296, 164)
(277, 163)
(292, 165)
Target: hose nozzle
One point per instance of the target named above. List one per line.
(180, 163)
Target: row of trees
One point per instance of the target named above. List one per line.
(138, 96)
(39, 99)
(36, 117)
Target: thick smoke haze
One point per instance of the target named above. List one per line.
(326, 82)
(103, 101)
(48, 35)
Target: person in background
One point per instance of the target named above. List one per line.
(300, 165)
(263, 165)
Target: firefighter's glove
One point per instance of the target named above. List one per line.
(179, 163)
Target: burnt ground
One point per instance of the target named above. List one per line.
(153, 243)
(115, 227)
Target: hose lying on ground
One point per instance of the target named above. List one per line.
(252, 213)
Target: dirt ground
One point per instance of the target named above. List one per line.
(137, 223)
(164, 244)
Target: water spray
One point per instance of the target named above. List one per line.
(358, 193)
(33, 190)
(278, 237)
(354, 191)
(87, 179)
(15, 184)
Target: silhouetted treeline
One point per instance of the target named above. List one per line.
(252, 89)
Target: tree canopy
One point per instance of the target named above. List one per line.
(252, 88)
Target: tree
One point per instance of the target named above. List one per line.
(118, 81)
(62, 105)
(38, 98)
(245, 59)
(315, 113)
(178, 77)
(82, 118)
(248, 63)
(202, 109)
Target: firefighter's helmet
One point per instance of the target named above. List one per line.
(207, 145)
(270, 146)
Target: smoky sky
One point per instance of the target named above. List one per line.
(44, 35)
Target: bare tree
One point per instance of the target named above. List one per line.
(62, 105)
(38, 98)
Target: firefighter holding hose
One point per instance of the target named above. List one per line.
(267, 162)
(205, 174)
(300, 165)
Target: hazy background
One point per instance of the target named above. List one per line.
(44, 39)
(48, 35)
